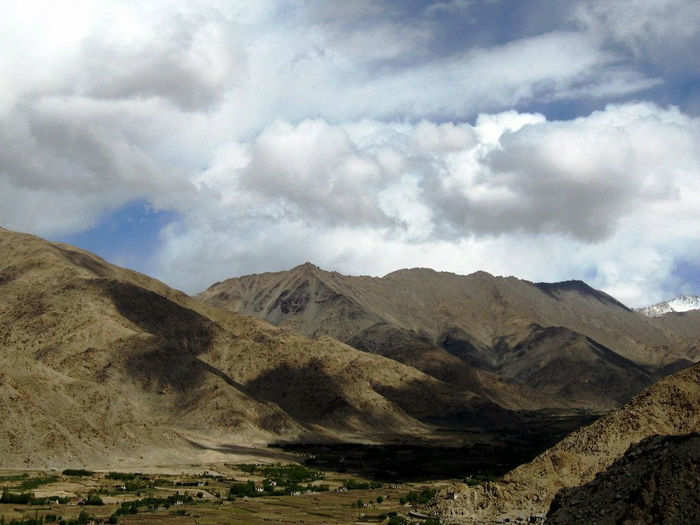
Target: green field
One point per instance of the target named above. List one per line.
(280, 494)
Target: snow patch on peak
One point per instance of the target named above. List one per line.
(682, 303)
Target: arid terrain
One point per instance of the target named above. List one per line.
(522, 345)
(670, 407)
(420, 381)
(656, 481)
(104, 364)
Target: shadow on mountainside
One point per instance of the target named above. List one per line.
(86, 261)
(580, 287)
(429, 404)
(656, 481)
(179, 335)
(416, 350)
(270, 453)
(307, 393)
(180, 327)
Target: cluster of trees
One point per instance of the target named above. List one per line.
(353, 484)
(279, 480)
(419, 498)
(32, 483)
(359, 503)
(284, 474)
(27, 498)
(123, 476)
(291, 474)
(93, 499)
(78, 472)
(151, 504)
(133, 481)
(82, 519)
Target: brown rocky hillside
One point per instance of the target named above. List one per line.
(518, 343)
(101, 364)
(656, 481)
(669, 407)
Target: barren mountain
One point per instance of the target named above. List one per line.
(99, 362)
(518, 343)
(669, 407)
(656, 481)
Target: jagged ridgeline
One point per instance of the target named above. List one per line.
(100, 364)
(520, 344)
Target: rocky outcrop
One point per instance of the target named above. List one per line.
(656, 481)
(670, 407)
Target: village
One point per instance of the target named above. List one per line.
(246, 493)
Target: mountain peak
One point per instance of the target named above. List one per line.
(307, 269)
(682, 303)
(580, 287)
(305, 266)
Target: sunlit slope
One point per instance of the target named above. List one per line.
(100, 362)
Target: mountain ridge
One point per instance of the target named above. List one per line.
(102, 362)
(471, 330)
(679, 304)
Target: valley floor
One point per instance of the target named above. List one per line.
(211, 494)
(294, 483)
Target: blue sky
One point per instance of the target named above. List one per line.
(128, 236)
(201, 140)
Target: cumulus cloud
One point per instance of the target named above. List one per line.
(508, 172)
(603, 185)
(85, 157)
(363, 136)
(190, 60)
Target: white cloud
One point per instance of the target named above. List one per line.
(448, 7)
(281, 132)
(661, 31)
(513, 194)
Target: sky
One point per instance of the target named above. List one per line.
(201, 140)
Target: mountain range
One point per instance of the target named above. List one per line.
(101, 365)
(105, 367)
(520, 344)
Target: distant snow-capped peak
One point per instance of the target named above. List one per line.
(682, 303)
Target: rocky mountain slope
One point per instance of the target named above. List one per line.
(669, 407)
(98, 362)
(656, 481)
(682, 303)
(518, 343)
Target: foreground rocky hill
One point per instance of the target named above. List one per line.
(517, 343)
(98, 364)
(656, 481)
(669, 407)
